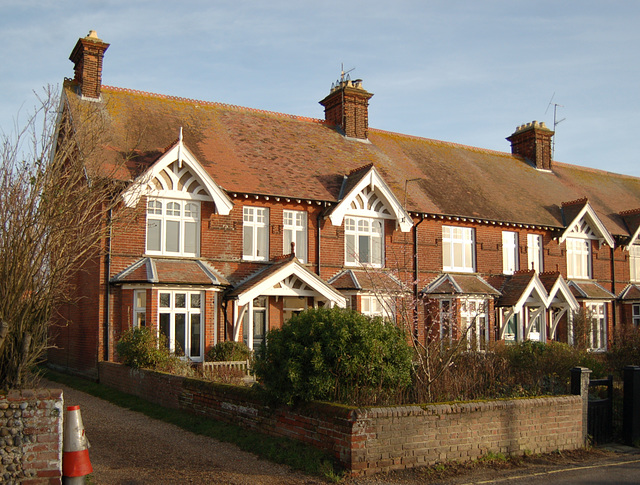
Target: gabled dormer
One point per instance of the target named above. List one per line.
(175, 187)
(365, 202)
(582, 227)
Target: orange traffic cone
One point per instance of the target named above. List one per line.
(75, 449)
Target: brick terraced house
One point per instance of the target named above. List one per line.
(233, 219)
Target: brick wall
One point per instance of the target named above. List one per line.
(368, 441)
(31, 436)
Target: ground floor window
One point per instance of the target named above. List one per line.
(636, 314)
(597, 317)
(473, 315)
(511, 329)
(377, 306)
(254, 323)
(180, 320)
(139, 308)
(446, 314)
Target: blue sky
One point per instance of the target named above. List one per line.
(468, 72)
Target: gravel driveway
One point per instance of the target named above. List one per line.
(129, 448)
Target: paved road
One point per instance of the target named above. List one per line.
(128, 448)
(627, 470)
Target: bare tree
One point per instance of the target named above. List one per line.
(53, 208)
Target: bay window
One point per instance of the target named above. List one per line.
(458, 252)
(597, 318)
(363, 241)
(173, 227)
(255, 233)
(180, 320)
(139, 308)
(636, 314)
(294, 225)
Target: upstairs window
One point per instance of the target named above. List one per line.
(578, 258)
(458, 252)
(363, 241)
(294, 224)
(634, 263)
(255, 234)
(509, 252)
(534, 252)
(173, 227)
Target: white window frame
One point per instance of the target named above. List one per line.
(458, 238)
(364, 241)
(294, 228)
(473, 312)
(447, 320)
(534, 253)
(174, 312)
(162, 212)
(139, 308)
(509, 252)
(259, 306)
(377, 306)
(578, 258)
(635, 314)
(255, 233)
(634, 263)
(597, 317)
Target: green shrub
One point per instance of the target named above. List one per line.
(335, 355)
(225, 351)
(142, 348)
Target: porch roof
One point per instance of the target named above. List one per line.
(283, 277)
(518, 287)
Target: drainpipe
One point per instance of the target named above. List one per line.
(107, 310)
(318, 264)
(613, 285)
(415, 275)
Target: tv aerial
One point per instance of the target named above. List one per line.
(556, 121)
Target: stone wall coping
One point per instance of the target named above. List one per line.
(31, 394)
(461, 407)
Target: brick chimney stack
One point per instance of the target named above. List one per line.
(87, 59)
(533, 142)
(347, 106)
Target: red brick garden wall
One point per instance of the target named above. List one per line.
(31, 437)
(368, 441)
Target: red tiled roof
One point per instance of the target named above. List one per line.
(630, 293)
(365, 280)
(589, 290)
(451, 284)
(169, 271)
(513, 287)
(258, 152)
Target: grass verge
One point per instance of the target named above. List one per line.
(298, 456)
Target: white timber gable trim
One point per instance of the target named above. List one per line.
(292, 280)
(178, 175)
(635, 239)
(372, 197)
(587, 225)
(561, 289)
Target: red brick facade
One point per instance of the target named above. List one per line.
(457, 226)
